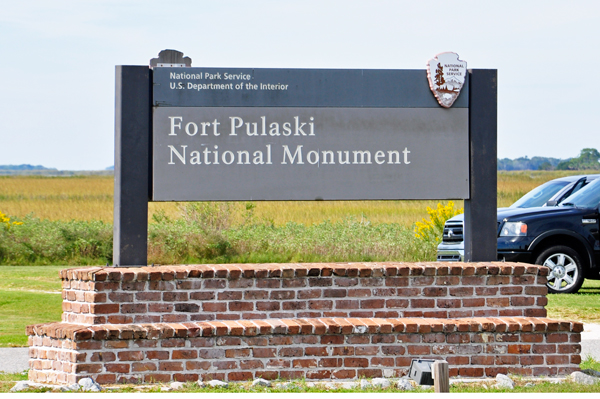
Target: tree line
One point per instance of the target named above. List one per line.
(588, 159)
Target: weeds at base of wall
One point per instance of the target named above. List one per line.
(299, 386)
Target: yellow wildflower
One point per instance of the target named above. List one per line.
(434, 227)
(5, 220)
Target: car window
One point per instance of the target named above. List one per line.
(580, 184)
(566, 192)
(539, 195)
(587, 197)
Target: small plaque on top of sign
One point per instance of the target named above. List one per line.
(446, 75)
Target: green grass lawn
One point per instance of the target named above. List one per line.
(28, 295)
(583, 306)
(297, 386)
(30, 278)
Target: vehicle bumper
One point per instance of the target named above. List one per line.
(455, 253)
(515, 249)
(512, 256)
(450, 253)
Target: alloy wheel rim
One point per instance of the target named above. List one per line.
(563, 272)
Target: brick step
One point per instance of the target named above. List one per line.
(192, 293)
(312, 348)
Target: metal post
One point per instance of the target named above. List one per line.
(133, 124)
(480, 230)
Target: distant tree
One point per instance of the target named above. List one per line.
(524, 163)
(588, 159)
(566, 165)
(590, 155)
(24, 167)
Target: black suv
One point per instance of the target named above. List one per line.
(564, 238)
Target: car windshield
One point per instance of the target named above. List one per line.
(540, 195)
(587, 197)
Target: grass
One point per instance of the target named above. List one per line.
(212, 233)
(28, 295)
(46, 242)
(18, 309)
(590, 363)
(91, 198)
(582, 306)
(64, 225)
(7, 381)
(44, 279)
(67, 221)
(58, 198)
(205, 235)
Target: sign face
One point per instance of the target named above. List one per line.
(275, 134)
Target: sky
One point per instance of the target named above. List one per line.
(57, 62)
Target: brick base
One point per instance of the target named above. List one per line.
(313, 349)
(312, 321)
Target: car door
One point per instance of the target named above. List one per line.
(591, 223)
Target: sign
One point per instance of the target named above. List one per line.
(193, 134)
(296, 134)
(446, 75)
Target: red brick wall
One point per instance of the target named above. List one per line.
(274, 291)
(301, 348)
(313, 321)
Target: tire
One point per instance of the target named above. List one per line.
(566, 269)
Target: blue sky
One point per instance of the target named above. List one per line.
(58, 60)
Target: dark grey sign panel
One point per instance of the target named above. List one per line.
(247, 87)
(287, 153)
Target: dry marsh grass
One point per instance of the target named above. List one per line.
(91, 198)
(58, 198)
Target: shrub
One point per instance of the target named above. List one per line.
(214, 233)
(40, 242)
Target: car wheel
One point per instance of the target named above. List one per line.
(566, 270)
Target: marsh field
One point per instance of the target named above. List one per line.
(91, 198)
(67, 220)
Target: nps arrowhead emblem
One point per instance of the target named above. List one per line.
(446, 75)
